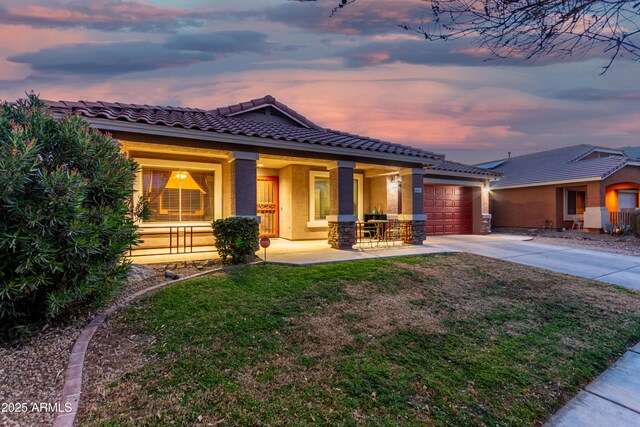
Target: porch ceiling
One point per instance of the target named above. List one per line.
(173, 149)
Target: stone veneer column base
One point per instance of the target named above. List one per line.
(418, 232)
(342, 234)
(486, 223)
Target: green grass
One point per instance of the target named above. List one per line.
(444, 340)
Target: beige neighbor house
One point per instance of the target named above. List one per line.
(571, 187)
(263, 159)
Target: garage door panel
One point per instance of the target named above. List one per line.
(448, 209)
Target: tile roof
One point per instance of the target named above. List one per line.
(216, 121)
(632, 152)
(445, 165)
(265, 101)
(562, 164)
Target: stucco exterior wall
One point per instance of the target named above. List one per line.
(226, 189)
(529, 206)
(294, 213)
(626, 174)
(377, 193)
(526, 207)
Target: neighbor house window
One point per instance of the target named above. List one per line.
(576, 202)
(178, 195)
(627, 199)
(319, 197)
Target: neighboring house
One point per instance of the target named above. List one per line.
(581, 185)
(263, 159)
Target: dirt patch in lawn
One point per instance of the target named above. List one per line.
(118, 350)
(440, 293)
(372, 315)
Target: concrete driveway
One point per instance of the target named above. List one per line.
(622, 270)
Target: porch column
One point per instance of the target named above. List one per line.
(596, 214)
(486, 213)
(243, 184)
(413, 204)
(341, 218)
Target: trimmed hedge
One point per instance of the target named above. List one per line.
(65, 193)
(635, 223)
(237, 239)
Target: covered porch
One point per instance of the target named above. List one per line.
(611, 202)
(341, 202)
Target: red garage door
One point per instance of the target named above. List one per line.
(449, 209)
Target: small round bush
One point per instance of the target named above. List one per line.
(236, 239)
(65, 225)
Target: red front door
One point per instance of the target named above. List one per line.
(268, 207)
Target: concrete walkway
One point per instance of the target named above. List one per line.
(314, 252)
(612, 399)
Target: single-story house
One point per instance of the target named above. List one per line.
(580, 185)
(263, 159)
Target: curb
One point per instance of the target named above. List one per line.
(73, 375)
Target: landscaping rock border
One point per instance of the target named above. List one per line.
(73, 375)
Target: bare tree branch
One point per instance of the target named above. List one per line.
(534, 28)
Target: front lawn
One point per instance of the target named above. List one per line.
(442, 339)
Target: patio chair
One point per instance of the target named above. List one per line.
(578, 224)
(393, 231)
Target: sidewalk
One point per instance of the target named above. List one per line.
(611, 399)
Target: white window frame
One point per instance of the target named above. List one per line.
(627, 191)
(216, 168)
(313, 223)
(565, 198)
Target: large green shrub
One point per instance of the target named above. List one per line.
(65, 223)
(236, 239)
(635, 223)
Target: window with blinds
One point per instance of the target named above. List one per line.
(178, 195)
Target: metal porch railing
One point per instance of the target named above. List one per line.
(180, 239)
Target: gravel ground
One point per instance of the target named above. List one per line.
(626, 245)
(34, 371)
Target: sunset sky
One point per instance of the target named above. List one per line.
(356, 72)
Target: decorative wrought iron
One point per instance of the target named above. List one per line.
(180, 239)
(383, 232)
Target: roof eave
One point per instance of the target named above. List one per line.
(243, 140)
(491, 177)
(545, 183)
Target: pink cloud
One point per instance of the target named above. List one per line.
(103, 15)
(438, 113)
(23, 38)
